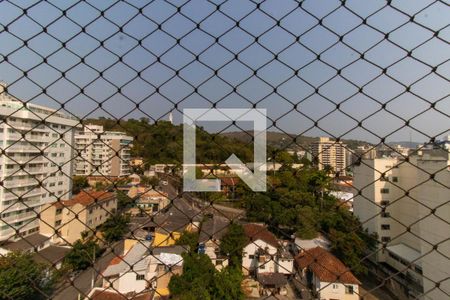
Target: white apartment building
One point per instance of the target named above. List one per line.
(409, 209)
(330, 153)
(35, 164)
(103, 153)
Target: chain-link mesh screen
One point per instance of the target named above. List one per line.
(92, 201)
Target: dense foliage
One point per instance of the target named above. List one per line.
(21, 278)
(79, 183)
(232, 244)
(82, 254)
(115, 227)
(297, 203)
(163, 142)
(200, 280)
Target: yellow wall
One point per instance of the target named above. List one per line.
(162, 239)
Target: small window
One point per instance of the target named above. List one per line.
(385, 239)
(251, 256)
(140, 276)
(384, 191)
(385, 215)
(384, 203)
(349, 289)
(57, 223)
(395, 179)
(335, 286)
(385, 226)
(59, 211)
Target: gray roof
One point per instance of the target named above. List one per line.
(134, 258)
(26, 243)
(213, 228)
(51, 254)
(177, 249)
(178, 216)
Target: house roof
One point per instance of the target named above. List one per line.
(26, 243)
(177, 249)
(409, 254)
(255, 232)
(51, 254)
(213, 228)
(272, 279)
(134, 258)
(109, 294)
(86, 198)
(326, 266)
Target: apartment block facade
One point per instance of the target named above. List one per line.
(69, 219)
(330, 153)
(36, 163)
(407, 204)
(102, 153)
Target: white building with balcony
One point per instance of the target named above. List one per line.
(102, 153)
(35, 163)
(407, 204)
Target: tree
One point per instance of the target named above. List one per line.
(200, 280)
(123, 201)
(79, 183)
(82, 255)
(21, 278)
(232, 243)
(189, 239)
(115, 227)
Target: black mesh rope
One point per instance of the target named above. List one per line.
(365, 75)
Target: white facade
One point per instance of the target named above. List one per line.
(335, 290)
(262, 257)
(39, 140)
(330, 153)
(409, 195)
(103, 153)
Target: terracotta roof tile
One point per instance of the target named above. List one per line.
(258, 232)
(326, 266)
(86, 198)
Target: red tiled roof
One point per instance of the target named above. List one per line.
(326, 266)
(258, 232)
(115, 260)
(86, 198)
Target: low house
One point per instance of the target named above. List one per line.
(299, 245)
(211, 233)
(32, 243)
(143, 268)
(83, 213)
(264, 254)
(149, 201)
(53, 255)
(329, 277)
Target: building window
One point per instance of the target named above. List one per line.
(59, 211)
(349, 289)
(384, 191)
(57, 223)
(335, 286)
(384, 203)
(385, 239)
(385, 226)
(394, 179)
(251, 256)
(140, 276)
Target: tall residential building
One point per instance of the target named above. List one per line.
(35, 164)
(102, 153)
(330, 153)
(409, 209)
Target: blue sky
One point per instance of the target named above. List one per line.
(121, 49)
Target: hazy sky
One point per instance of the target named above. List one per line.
(135, 33)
